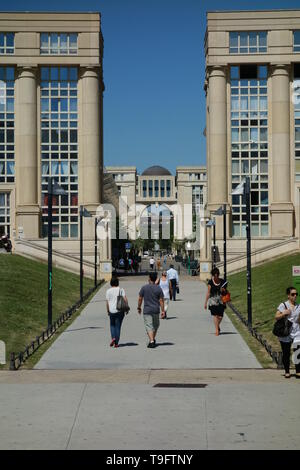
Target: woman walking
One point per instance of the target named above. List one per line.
(213, 299)
(116, 317)
(166, 287)
(290, 310)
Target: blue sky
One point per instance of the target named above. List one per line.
(154, 65)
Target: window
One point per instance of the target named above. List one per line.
(168, 188)
(7, 43)
(7, 125)
(249, 146)
(150, 183)
(59, 147)
(58, 43)
(4, 214)
(296, 47)
(252, 42)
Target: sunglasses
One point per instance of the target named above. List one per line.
(294, 294)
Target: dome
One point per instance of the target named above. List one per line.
(156, 170)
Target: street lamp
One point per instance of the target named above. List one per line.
(212, 223)
(53, 189)
(188, 248)
(222, 211)
(83, 213)
(97, 221)
(244, 188)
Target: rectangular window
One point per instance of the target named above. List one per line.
(150, 183)
(243, 42)
(249, 144)
(4, 213)
(59, 147)
(168, 188)
(58, 43)
(296, 44)
(7, 43)
(7, 125)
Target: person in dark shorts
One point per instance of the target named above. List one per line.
(153, 298)
(213, 299)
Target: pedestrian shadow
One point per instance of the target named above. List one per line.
(123, 345)
(171, 318)
(87, 328)
(164, 344)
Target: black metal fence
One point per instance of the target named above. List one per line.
(275, 355)
(17, 359)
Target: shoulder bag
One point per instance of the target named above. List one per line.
(122, 305)
(282, 327)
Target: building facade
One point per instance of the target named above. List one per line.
(253, 124)
(51, 94)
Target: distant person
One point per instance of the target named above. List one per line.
(172, 276)
(166, 287)
(213, 299)
(130, 264)
(158, 264)
(152, 263)
(165, 261)
(116, 317)
(153, 298)
(290, 310)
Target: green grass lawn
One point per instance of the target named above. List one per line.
(269, 283)
(24, 299)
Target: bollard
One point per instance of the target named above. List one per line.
(12, 365)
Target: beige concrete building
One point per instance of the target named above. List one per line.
(183, 195)
(51, 95)
(253, 127)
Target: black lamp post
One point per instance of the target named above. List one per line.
(83, 213)
(222, 211)
(244, 188)
(212, 223)
(96, 246)
(53, 189)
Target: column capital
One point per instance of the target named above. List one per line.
(280, 70)
(29, 71)
(216, 71)
(92, 71)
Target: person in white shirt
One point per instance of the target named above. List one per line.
(152, 263)
(116, 317)
(291, 310)
(172, 276)
(295, 335)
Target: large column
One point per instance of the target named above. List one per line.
(90, 159)
(27, 209)
(90, 144)
(217, 142)
(281, 208)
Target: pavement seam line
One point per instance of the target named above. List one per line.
(76, 416)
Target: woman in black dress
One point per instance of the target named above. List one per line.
(213, 299)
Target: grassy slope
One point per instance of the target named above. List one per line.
(24, 298)
(269, 283)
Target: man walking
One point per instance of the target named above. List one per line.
(172, 275)
(153, 298)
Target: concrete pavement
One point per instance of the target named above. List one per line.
(194, 391)
(185, 340)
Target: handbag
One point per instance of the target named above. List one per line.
(122, 305)
(226, 297)
(282, 327)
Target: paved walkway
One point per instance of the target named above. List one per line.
(113, 399)
(185, 340)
